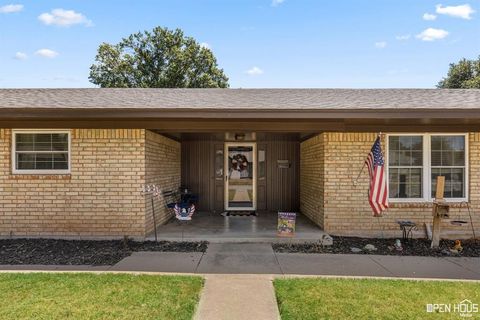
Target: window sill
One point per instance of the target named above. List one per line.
(427, 204)
(45, 176)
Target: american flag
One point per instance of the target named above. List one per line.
(378, 192)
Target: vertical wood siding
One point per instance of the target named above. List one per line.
(280, 188)
(197, 171)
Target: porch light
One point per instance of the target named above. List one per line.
(239, 136)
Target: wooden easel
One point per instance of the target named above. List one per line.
(440, 210)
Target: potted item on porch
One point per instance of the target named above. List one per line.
(182, 203)
(286, 224)
(184, 211)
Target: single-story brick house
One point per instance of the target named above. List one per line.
(73, 160)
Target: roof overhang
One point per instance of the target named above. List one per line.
(213, 120)
(282, 110)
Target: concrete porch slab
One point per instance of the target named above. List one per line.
(215, 228)
(160, 262)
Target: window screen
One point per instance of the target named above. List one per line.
(41, 151)
(448, 159)
(405, 159)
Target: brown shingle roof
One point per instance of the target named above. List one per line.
(241, 99)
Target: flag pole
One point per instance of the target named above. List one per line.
(358, 177)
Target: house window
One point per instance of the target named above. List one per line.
(406, 166)
(415, 161)
(41, 152)
(448, 159)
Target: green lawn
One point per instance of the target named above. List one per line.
(97, 296)
(369, 299)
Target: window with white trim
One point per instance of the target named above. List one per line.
(415, 161)
(41, 152)
(405, 160)
(448, 159)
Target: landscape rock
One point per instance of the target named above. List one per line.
(446, 252)
(326, 240)
(355, 250)
(398, 245)
(370, 247)
(454, 251)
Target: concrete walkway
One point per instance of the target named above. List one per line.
(259, 258)
(237, 297)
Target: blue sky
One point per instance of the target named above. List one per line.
(259, 43)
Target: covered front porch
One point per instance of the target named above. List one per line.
(240, 181)
(212, 227)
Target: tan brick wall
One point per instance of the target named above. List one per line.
(312, 179)
(346, 208)
(163, 169)
(100, 198)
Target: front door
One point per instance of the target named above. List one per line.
(240, 176)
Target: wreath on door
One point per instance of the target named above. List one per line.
(239, 162)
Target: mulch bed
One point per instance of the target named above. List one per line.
(83, 252)
(413, 247)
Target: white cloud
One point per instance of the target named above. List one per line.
(46, 53)
(205, 45)
(463, 11)
(403, 37)
(432, 34)
(20, 55)
(10, 8)
(64, 18)
(255, 71)
(277, 2)
(380, 45)
(429, 17)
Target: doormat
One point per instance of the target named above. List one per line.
(239, 213)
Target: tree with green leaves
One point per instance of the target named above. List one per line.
(161, 58)
(462, 75)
